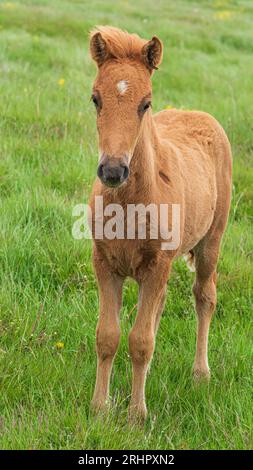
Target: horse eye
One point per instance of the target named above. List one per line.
(146, 105)
(143, 106)
(95, 101)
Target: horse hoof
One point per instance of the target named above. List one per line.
(201, 375)
(99, 408)
(137, 415)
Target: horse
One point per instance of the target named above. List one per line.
(172, 157)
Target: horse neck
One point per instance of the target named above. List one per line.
(143, 164)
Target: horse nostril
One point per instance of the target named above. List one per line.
(100, 170)
(126, 172)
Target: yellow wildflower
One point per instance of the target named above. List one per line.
(61, 82)
(223, 15)
(59, 345)
(221, 3)
(8, 6)
(169, 106)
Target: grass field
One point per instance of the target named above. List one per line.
(48, 294)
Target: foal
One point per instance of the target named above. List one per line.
(173, 157)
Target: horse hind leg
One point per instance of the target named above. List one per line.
(204, 289)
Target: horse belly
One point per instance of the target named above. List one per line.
(199, 212)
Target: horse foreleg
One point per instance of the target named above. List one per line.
(142, 339)
(107, 335)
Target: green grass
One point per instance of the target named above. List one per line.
(48, 158)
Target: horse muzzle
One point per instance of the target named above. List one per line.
(113, 171)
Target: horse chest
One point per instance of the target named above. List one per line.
(130, 257)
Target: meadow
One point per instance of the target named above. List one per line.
(48, 293)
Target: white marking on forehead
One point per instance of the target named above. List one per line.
(122, 86)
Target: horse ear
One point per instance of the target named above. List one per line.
(151, 54)
(98, 49)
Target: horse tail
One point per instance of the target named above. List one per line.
(190, 260)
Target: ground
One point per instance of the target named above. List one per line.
(48, 294)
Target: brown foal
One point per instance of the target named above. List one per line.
(173, 157)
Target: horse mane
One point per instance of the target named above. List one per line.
(121, 44)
